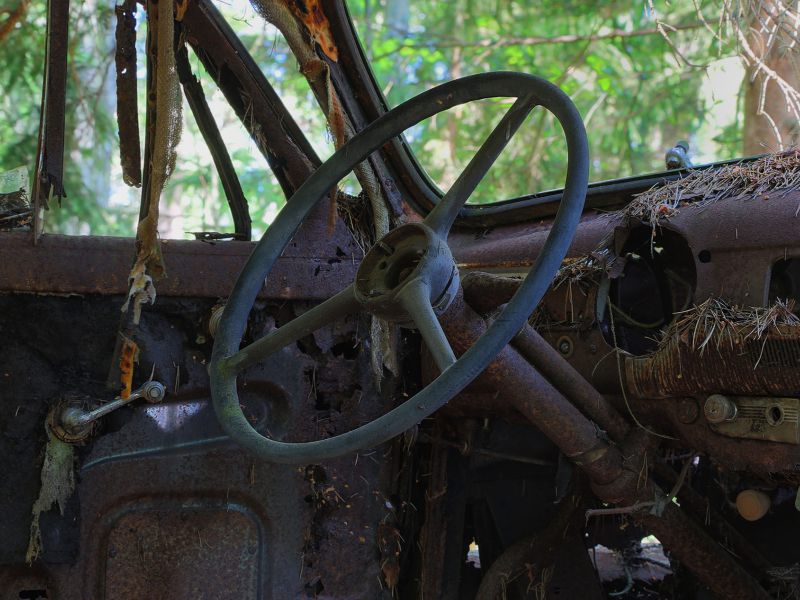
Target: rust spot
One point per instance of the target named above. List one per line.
(314, 70)
(181, 6)
(127, 358)
(336, 117)
(319, 28)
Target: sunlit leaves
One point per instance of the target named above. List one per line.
(637, 98)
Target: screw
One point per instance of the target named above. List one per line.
(564, 345)
(153, 391)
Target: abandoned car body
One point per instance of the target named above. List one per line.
(339, 410)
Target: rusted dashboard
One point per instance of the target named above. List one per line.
(163, 500)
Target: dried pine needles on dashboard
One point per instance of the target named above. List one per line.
(755, 179)
(715, 322)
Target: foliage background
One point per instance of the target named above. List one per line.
(636, 91)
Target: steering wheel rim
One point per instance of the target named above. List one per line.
(227, 359)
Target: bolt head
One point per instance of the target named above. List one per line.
(153, 391)
(564, 346)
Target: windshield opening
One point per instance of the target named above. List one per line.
(645, 76)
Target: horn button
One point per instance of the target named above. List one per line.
(410, 252)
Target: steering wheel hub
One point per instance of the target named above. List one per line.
(410, 253)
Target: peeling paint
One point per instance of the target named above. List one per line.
(319, 28)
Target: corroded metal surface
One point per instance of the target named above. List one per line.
(736, 242)
(202, 512)
(485, 292)
(513, 249)
(534, 556)
(695, 550)
(616, 472)
(359, 99)
(768, 366)
(698, 507)
(49, 177)
(272, 127)
(127, 97)
(755, 456)
(733, 250)
(525, 389)
(175, 548)
(445, 506)
(97, 265)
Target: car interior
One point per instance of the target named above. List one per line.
(396, 392)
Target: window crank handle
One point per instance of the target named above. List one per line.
(75, 419)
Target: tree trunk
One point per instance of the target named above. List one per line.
(770, 124)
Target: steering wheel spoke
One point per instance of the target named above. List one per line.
(441, 218)
(415, 299)
(340, 305)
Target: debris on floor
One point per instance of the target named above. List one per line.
(634, 572)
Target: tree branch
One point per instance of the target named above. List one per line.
(538, 41)
(13, 18)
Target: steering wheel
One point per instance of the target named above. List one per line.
(407, 276)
